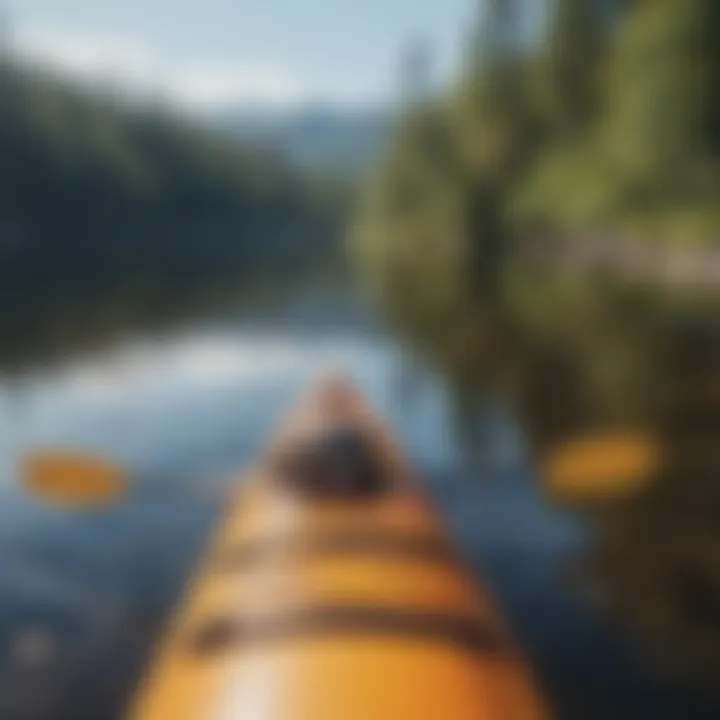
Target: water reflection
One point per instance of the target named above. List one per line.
(582, 355)
(83, 595)
(596, 592)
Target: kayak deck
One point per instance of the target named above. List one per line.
(330, 607)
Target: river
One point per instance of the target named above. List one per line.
(83, 595)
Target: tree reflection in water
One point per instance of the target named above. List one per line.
(581, 355)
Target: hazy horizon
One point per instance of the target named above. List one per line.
(217, 54)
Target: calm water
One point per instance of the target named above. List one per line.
(82, 595)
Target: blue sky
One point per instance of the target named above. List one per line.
(214, 52)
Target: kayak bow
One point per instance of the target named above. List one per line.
(331, 593)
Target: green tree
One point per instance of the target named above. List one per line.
(660, 129)
(570, 68)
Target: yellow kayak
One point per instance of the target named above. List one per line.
(330, 593)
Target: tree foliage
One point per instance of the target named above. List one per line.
(69, 155)
(607, 125)
(114, 209)
(606, 129)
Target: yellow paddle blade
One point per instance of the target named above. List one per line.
(72, 479)
(604, 465)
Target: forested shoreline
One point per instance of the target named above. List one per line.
(117, 213)
(547, 232)
(602, 122)
(556, 204)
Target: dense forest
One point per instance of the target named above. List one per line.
(114, 212)
(605, 124)
(557, 161)
(521, 233)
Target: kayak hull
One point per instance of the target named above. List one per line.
(335, 610)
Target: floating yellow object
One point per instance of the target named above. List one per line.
(74, 479)
(603, 465)
(335, 598)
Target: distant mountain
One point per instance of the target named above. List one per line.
(313, 137)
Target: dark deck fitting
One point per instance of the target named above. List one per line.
(340, 463)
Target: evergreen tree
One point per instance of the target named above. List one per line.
(489, 106)
(661, 125)
(574, 51)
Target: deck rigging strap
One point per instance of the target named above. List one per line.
(230, 633)
(385, 544)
